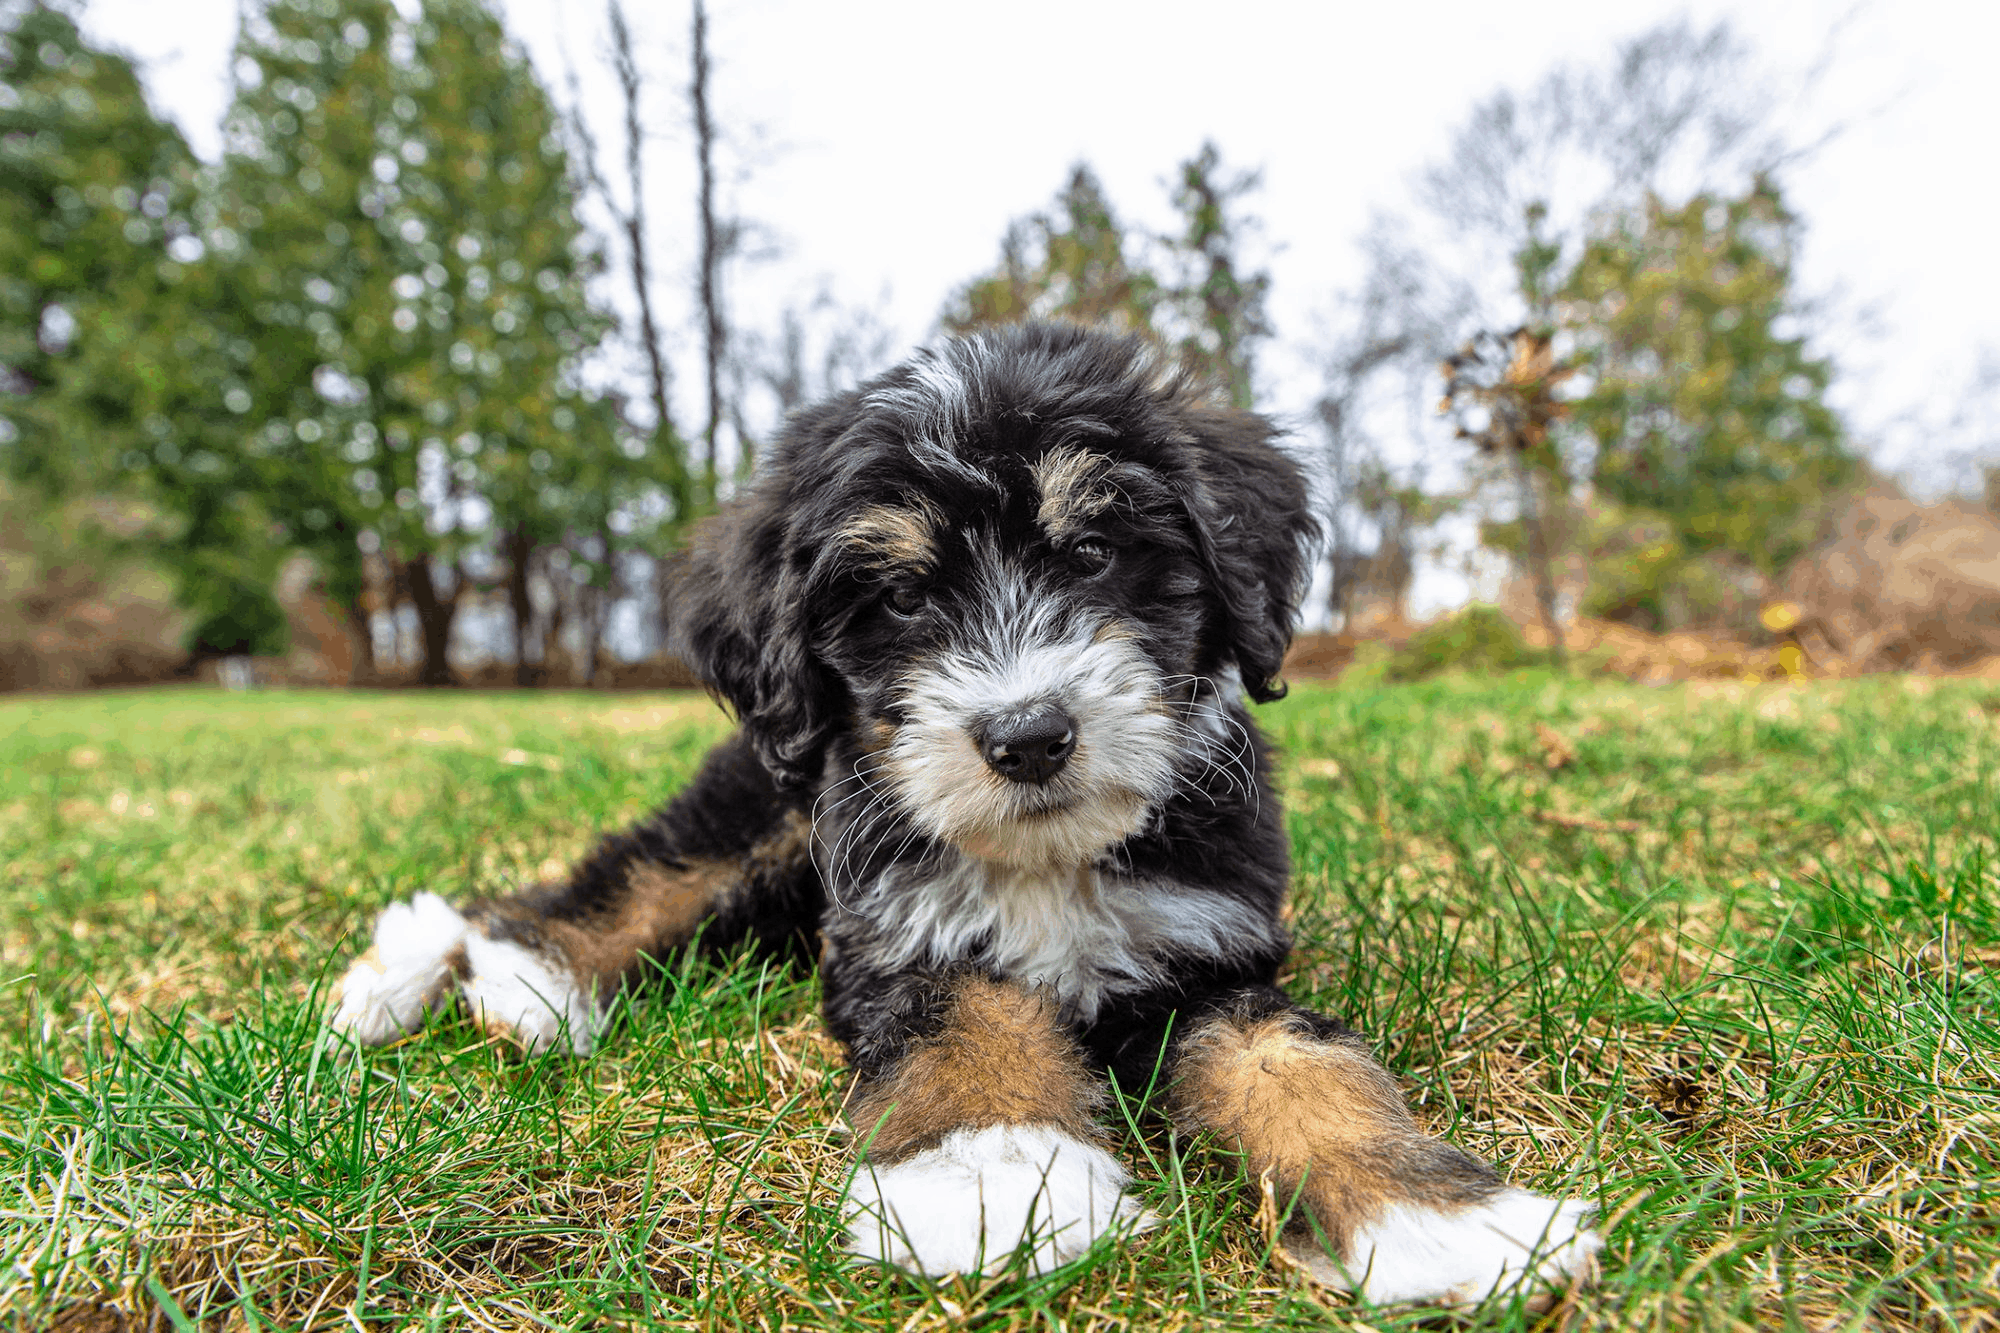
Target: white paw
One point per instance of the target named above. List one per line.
(1411, 1253)
(525, 996)
(966, 1205)
(388, 990)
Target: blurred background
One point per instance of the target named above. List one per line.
(373, 342)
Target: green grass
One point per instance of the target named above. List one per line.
(1726, 958)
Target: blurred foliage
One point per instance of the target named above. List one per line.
(1642, 573)
(364, 331)
(1224, 306)
(1069, 263)
(367, 334)
(1377, 584)
(1502, 394)
(110, 348)
(1186, 293)
(400, 214)
(82, 600)
(92, 189)
(1704, 436)
(243, 618)
(1624, 208)
(1478, 639)
(1706, 408)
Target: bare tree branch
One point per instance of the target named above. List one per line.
(713, 245)
(626, 66)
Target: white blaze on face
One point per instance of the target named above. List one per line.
(1021, 651)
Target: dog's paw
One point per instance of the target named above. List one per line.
(968, 1204)
(527, 997)
(388, 990)
(1511, 1240)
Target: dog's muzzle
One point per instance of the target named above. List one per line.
(1031, 746)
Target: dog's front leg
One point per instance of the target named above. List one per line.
(1406, 1216)
(977, 1131)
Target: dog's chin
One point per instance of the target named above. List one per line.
(1054, 836)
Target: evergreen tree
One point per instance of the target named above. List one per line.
(113, 367)
(1224, 306)
(1070, 263)
(1707, 412)
(89, 178)
(417, 278)
(303, 263)
(1077, 262)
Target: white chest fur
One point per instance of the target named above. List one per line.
(1085, 934)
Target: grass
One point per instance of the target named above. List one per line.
(1726, 958)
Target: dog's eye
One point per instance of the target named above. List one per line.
(906, 601)
(1094, 557)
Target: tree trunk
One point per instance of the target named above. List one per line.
(626, 64)
(593, 601)
(552, 642)
(520, 550)
(360, 628)
(1534, 524)
(434, 617)
(714, 332)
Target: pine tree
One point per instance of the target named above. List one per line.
(1070, 263)
(89, 179)
(529, 446)
(1185, 293)
(417, 277)
(112, 360)
(1224, 306)
(1707, 412)
(300, 251)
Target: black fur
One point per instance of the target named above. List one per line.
(1027, 520)
(1212, 531)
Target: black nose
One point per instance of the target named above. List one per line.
(1031, 746)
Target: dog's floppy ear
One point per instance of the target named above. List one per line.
(1253, 526)
(738, 614)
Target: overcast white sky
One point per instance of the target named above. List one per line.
(899, 137)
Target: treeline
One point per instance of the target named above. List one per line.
(376, 333)
(1611, 386)
(369, 334)
(1597, 279)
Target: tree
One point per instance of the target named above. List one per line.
(1377, 369)
(416, 278)
(630, 220)
(544, 457)
(306, 267)
(1070, 264)
(1502, 392)
(1501, 223)
(821, 349)
(1224, 305)
(1676, 109)
(715, 244)
(1706, 409)
(1187, 293)
(112, 360)
(88, 179)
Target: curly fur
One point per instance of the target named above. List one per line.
(1036, 542)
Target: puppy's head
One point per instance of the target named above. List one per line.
(1017, 569)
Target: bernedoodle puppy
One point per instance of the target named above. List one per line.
(989, 624)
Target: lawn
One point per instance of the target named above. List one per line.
(1726, 958)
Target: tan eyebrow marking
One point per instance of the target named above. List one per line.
(891, 536)
(1074, 487)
